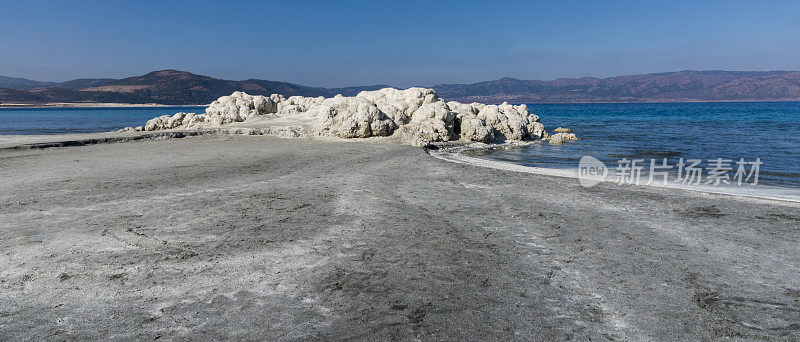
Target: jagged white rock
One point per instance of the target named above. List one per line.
(400, 105)
(239, 107)
(166, 122)
(349, 117)
(431, 122)
(417, 116)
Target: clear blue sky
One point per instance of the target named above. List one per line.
(341, 43)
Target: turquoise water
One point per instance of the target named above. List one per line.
(80, 120)
(610, 132)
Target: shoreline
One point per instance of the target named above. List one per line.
(446, 151)
(455, 155)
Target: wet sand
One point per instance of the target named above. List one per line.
(256, 237)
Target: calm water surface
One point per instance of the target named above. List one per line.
(80, 120)
(610, 132)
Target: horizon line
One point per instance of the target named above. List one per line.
(394, 86)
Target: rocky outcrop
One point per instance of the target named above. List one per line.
(348, 117)
(429, 123)
(168, 122)
(560, 138)
(417, 116)
(236, 107)
(400, 105)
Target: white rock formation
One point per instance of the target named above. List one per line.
(400, 105)
(417, 116)
(349, 117)
(239, 107)
(429, 123)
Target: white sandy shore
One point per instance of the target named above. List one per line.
(257, 237)
(764, 192)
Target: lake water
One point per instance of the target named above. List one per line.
(706, 131)
(80, 120)
(609, 132)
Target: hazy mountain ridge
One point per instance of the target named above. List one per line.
(673, 86)
(17, 83)
(180, 88)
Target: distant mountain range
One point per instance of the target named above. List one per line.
(182, 88)
(668, 87)
(163, 87)
(22, 84)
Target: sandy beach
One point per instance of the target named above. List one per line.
(256, 237)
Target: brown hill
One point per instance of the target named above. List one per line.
(181, 87)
